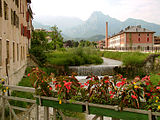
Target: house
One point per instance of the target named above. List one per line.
(15, 38)
(101, 44)
(156, 41)
(132, 37)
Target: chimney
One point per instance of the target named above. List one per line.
(106, 41)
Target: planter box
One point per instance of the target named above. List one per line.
(65, 106)
(117, 114)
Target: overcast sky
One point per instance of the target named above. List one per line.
(148, 10)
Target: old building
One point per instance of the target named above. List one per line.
(101, 44)
(133, 37)
(156, 41)
(15, 35)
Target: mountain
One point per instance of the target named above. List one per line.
(38, 25)
(95, 25)
(62, 22)
(150, 26)
(96, 38)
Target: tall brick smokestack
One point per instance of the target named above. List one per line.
(106, 41)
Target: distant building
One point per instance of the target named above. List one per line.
(101, 44)
(131, 37)
(15, 38)
(157, 41)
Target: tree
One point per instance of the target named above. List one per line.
(57, 39)
(39, 45)
(39, 39)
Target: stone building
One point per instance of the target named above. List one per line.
(134, 37)
(156, 41)
(101, 44)
(15, 38)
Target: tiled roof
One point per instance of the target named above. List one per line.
(133, 29)
(136, 29)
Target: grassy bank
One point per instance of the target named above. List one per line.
(128, 58)
(74, 57)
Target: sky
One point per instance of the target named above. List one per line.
(148, 10)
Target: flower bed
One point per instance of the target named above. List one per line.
(112, 91)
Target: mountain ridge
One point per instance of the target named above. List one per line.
(96, 23)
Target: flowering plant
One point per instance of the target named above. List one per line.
(2, 87)
(115, 90)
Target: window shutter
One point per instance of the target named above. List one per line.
(21, 29)
(27, 16)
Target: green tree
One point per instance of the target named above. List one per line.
(57, 39)
(39, 39)
(39, 45)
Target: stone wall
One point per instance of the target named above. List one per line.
(151, 64)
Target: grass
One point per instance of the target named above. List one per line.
(128, 58)
(74, 57)
(26, 83)
(155, 78)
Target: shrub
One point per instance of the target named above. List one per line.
(128, 58)
(74, 57)
(38, 52)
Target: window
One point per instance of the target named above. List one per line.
(0, 8)
(21, 54)
(5, 11)
(17, 52)
(12, 17)
(139, 34)
(16, 21)
(17, 3)
(147, 34)
(147, 39)
(13, 52)
(0, 52)
(7, 51)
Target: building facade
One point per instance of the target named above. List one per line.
(101, 44)
(15, 38)
(156, 41)
(132, 37)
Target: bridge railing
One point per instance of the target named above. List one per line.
(35, 105)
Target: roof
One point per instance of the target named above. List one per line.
(137, 29)
(133, 29)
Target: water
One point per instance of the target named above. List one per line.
(106, 68)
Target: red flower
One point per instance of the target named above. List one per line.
(85, 84)
(54, 82)
(82, 86)
(50, 88)
(147, 83)
(110, 92)
(28, 74)
(111, 96)
(42, 81)
(133, 96)
(59, 86)
(91, 78)
(56, 86)
(148, 94)
(107, 81)
(158, 87)
(121, 77)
